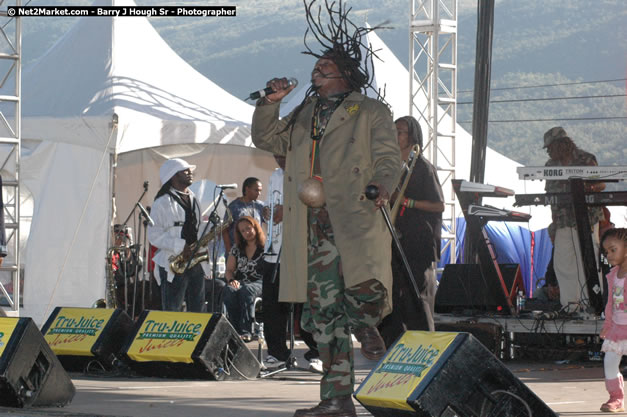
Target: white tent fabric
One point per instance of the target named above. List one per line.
(392, 77)
(222, 164)
(105, 65)
(109, 86)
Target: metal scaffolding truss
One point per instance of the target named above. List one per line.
(433, 94)
(10, 135)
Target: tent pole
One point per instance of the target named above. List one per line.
(113, 163)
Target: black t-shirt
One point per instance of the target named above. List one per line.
(421, 231)
(249, 270)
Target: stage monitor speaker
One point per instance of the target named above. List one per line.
(491, 335)
(30, 373)
(443, 374)
(189, 345)
(79, 336)
(474, 287)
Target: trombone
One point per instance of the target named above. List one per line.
(408, 168)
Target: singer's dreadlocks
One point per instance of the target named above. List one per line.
(339, 45)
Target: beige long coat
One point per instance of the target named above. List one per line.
(358, 147)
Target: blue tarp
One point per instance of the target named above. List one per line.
(515, 244)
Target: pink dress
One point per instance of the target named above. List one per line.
(616, 338)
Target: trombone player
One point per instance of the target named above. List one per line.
(418, 204)
(177, 217)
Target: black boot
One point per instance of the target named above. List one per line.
(372, 345)
(334, 407)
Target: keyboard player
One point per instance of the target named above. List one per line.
(567, 256)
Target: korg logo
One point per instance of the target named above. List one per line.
(553, 172)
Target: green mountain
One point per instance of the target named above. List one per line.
(570, 43)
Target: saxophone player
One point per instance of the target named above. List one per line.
(419, 222)
(177, 218)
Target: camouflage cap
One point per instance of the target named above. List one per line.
(553, 134)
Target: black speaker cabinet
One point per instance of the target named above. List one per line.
(442, 374)
(476, 287)
(30, 373)
(189, 345)
(79, 336)
(491, 335)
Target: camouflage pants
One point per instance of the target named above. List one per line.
(332, 310)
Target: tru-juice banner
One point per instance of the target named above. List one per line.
(74, 331)
(7, 326)
(403, 368)
(168, 336)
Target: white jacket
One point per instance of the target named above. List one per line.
(169, 217)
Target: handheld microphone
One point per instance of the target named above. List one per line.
(372, 192)
(268, 90)
(227, 186)
(146, 183)
(145, 214)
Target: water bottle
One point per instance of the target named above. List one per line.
(520, 302)
(221, 266)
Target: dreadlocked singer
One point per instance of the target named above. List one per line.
(337, 256)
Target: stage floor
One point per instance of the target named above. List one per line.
(568, 388)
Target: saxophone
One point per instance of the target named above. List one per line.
(178, 264)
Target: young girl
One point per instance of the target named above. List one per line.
(614, 331)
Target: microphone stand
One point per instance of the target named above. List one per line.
(136, 257)
(213, 272)
(140, 261)
(290, 363)
(214, 254)
(145, 276)
(135, 205)
(125, 276)
(372, 192)
(124, 228)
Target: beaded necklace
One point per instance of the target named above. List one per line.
(323, 111)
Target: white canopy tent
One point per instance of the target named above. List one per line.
(392, 77)
(102, 109)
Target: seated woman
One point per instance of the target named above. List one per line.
(244, 274)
